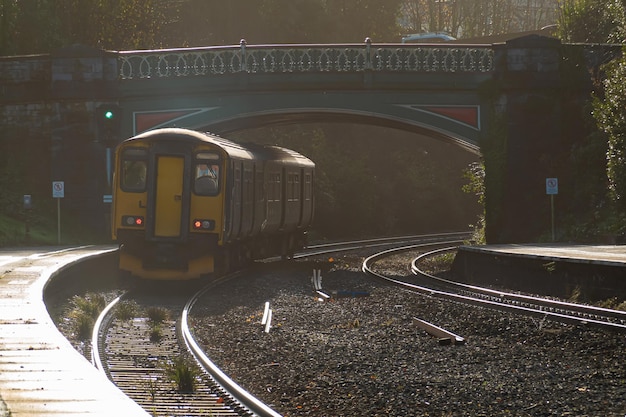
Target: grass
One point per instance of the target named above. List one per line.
(14, 232)
(83, 312)
(43, 231)
(437, 263)
(157, 315)
(126, 310)
(613, 303)
(183, 374)
(156, 333)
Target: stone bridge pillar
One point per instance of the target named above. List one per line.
(81, 78)
(524, 138)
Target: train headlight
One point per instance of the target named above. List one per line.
(203, 224)
(132, 221)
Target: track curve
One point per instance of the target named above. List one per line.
(540, 307)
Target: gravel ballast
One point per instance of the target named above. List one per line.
(363, 355)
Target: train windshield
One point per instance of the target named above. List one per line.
(134, 168)
(207, 174)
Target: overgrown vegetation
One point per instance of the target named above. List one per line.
(157, 314)
(84, 311)
(183, 373)
(475, 175)
(438, 263)
(600, 21)
(126, 310)
(490, 173)
(156, 317)
(613, 303)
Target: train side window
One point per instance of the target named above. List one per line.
(289, 188)
(308, 187)
(277, 188)
(134, 169)
(206, 174)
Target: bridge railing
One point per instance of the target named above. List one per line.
(209, 61)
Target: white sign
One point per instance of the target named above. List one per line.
(552, 186)
(58, 189)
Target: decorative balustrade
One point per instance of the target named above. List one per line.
(273, 59)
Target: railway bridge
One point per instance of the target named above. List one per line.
(505, 96)
(432, 90)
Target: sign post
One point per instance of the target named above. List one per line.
(552, 189)
(28, 205)
(58, 192)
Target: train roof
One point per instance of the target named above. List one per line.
(278, 153)
(232, 149)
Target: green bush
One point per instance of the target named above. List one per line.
(83, 325)
(183, 374)
(126, 310)
(157, 314)
(156, 333)
(91, 304)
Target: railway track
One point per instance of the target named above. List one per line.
(339, 357)
(329, 248)
(125, 349)
(539, 307)
(145, 366)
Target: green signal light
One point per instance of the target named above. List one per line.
(108, 114)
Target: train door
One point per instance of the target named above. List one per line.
(169, 191)
(247, 191)
(234, 204)
(300, 180)
(307, 197)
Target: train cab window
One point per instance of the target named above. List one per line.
(206, 174)
(134, 168)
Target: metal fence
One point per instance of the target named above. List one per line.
(272, 59)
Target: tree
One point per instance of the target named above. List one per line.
(609, 107)
(610, 113)
(111, 24)
(477, 18)
(27, 26)
(354, 20)
(599, 21)
(591, 21)
(40, 26)
(215, 22)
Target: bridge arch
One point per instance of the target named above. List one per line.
(457, 124)
(288, 116)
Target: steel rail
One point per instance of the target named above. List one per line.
(231, 387)
(233, 405)
(321, 249)
(96, 339)
(507, 296)
(391, 239)
(482, 302)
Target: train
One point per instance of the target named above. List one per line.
(188, 204)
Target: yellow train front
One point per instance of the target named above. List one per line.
(188, 204)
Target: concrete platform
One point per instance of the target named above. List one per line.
(40, 372)
(561, 270)
(601, 255)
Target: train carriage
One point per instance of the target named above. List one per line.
(188, 204)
